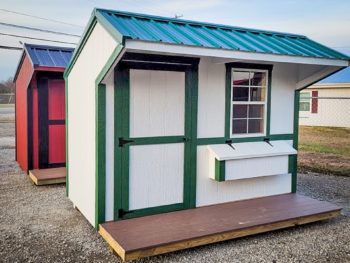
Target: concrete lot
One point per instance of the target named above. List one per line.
(39, 224)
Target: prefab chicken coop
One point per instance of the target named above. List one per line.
(183, 133)
(40, 112)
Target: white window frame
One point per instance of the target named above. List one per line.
(309, 98)
(244, 135)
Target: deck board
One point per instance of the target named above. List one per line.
(48, 176)
(156, 234)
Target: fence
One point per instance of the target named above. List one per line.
(324, 111)
(7, 98)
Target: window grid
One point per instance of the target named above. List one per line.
(249, 102)
(305, 101)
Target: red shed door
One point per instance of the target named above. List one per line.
(52, 139)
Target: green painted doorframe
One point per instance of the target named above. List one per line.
(122, 141)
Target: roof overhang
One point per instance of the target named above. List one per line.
(330, 86)
(226, 55)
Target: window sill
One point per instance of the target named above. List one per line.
(247, 135)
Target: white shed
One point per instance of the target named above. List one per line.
(166, 114)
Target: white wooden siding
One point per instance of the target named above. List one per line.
(282, 98)
(211, 99)
(256, 167)
(156, 175)
(81, 119)
(157, 103)
(212, 192)
(110, 147)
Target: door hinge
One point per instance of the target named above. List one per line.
(267, 140)
(122, 141)
(122, 212)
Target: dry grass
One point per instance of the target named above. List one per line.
(324, 149)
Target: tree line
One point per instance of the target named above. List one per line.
(7, 86)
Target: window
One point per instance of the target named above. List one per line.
(304, 103)
(248, 102)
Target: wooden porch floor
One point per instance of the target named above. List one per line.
(48, 176)
(162, 233)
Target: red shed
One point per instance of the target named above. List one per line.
(40, 107)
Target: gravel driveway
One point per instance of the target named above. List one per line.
(39, 224)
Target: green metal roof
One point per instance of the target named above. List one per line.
(191, 33)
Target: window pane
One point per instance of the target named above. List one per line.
(239, 111)
(240, 78)
(304, 106)
(305, 95)
(256, 111)
(239, 126)
(240, 94)
(258, 79)
(257, 94)
(255, 126)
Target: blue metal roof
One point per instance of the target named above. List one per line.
(184, 32)
(49, 56)
(342, 76)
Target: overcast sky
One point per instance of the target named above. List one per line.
(326, 21)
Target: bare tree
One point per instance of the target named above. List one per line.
(7, 86)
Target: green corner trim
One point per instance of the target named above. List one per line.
(115, 53)
(294, 159)
(268, 105)
(100, 202)
(66, 126)
(228, 101)
(100, 129)
(154, 210)
(119, 76)
(219, 170)
(194, 115)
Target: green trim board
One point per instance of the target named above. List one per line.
(111, 60)
(100, 151)
(66, 127)
(194, 118)
(222, 140)
(100, 137)
(122, 132)
(119, 82)
(154, 210)
(294, 158)
(219, 170)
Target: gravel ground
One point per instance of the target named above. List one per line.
(39, 224)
